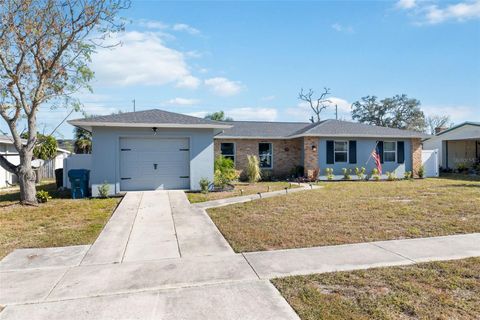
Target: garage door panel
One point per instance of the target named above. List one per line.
(151, 164)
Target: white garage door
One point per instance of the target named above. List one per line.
(154, 163)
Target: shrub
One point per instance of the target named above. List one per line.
(297, 172)
(103, 190)
(224, 171)
(329, 173)
(43, 196)
(360, 173)
(462, 167)
(421, 172)
(391, 176)
(266, 175)
(346, 173)
(253, 169)
(407, 175)
(204, 184)
(375, 174)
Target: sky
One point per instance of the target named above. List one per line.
(251, 58)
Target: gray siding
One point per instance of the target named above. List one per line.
(364, 149)
(105, 153)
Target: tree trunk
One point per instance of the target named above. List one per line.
(26, 179)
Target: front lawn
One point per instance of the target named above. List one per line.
(350, 212)
(437, 290)
(59, 222)
(248, 188)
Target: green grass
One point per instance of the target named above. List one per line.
(247, 188)
(438, 290)
(59, 222)
(351, 212)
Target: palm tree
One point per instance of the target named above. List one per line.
(83, 141)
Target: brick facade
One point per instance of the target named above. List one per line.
(416, 156)
(310, 157)
(286, 153)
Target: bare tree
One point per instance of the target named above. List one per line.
(316, 104)
(437, 121)
(45, 48)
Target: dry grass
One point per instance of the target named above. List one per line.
(248, 188)
(350, 212)
(59, 222)
(439, 290)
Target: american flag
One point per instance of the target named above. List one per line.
(376, 156)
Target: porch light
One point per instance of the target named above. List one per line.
(314, 147)
(154, 129)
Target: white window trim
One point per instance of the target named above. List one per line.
(334, 152)
(234, 151)
(271, 154)
(394, 151)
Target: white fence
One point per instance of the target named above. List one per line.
(75, 161)
(430, 162)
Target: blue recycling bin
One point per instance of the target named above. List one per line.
(79, 179)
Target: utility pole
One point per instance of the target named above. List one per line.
(133, 105)
(336, 112)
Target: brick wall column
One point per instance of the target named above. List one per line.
(416, 156)
(310, 156)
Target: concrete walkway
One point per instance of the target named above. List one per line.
(255, 196)
(160, 257)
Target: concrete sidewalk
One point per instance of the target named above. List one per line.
(282, 263)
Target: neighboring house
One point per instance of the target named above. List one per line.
(10, 153)
(457, 145)
(328, 144)
(156, 149)
(8, 150)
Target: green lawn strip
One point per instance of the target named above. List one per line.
(352, 212)
(437, 290)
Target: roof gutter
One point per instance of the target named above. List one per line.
(88, 125)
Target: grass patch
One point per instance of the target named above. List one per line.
(351, 212)
(248, 188)
(438, 290)
(59, 222)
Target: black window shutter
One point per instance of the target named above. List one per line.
(401, 151)
(380, 150)
(330, 152)
(352, 151)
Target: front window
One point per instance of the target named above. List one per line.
(341, 151)
(389, 151)
(228, 150)
(265, 155)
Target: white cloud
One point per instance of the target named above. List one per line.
(198, 114)
(248, 113)
(341, 28)
(268, 98)
(182, 102)
(185, 27)
(428, 13)
(142, 59)
(457, 114)
(223, 86)
(406, 4)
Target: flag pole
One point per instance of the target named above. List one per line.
(374, 148)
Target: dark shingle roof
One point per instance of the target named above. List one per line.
(338, 128)
(262, 129)
(152, 117)
(326, 128)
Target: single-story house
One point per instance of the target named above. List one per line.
(8, 150)
(156, 149)
(458, 145)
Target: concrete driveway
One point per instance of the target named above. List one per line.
(158, 257)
